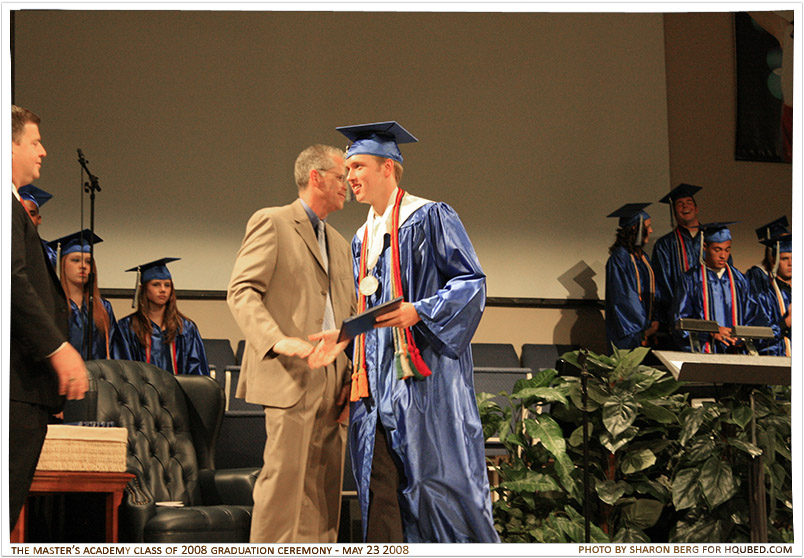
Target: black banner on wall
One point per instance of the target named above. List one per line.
(764, 59)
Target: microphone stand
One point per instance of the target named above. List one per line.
(587, 513)
(91, 186)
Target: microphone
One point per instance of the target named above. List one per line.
(81, 158)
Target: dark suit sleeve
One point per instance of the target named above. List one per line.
(31, 324)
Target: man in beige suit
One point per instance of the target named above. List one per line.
(283, 289)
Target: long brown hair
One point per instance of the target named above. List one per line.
(141, 323)
(99, 314)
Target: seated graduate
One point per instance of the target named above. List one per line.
(630, 283)
(157, 332)
(772, 283)
(715, 290)
(73, 254)
(33, 199)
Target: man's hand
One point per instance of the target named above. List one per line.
(404, 316)
(327, 349)
(725, 336)
(72, 372)
(293, 346)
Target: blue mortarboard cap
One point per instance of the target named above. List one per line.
(156, 269)
(630, 214)
(75, 242)
(785, 242)
(681, 191)
(34, 194)
(773, 229)
(379, 138)
(717, 231)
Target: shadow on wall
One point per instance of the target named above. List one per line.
(585, 325)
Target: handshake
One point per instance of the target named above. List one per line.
(321, 354)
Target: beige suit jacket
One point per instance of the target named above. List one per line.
(278, 289)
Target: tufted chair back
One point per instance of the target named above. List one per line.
(173, 423)
(149, 403)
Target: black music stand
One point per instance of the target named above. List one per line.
(736, 369)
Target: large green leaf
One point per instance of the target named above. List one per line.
(634, 461)
(613, 443)
(533, 482)
(703, 530)
(548, 395)
(548, 432)
(629, 360)
(691, 420)
(564, 467)
(542, 378)
(717, 481)
(619, 413)
(657, 413)
(699, 449)
(748, 448)
(686, 492)
(653, 488)
(741, 415)
(576, 438)
(596, 534)
(610, 491)
(629, 534)
(642, 513)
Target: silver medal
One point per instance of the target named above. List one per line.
(368, 285)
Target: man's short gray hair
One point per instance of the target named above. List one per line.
(314, 157)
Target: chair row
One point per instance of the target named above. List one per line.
(534, 356)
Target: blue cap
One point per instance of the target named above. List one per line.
(379, 138)
(75, 242)
(717, 231)
(32, 193)
(630, 214)
(681, 191)
(785, 242)
(154, 270)
(773, 229)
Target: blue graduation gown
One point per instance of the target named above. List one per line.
(688, 303)
(433, 425)
(667, 262)
(626, 315)
(78, 320)
(190, 355)
(762, 287)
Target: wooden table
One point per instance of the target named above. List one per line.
(58, 482)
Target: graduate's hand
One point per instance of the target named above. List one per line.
(404, 316)
(343, 400)
(327, 349)
(293, 346)
(71, 371)
(725, 336)
(788, 321)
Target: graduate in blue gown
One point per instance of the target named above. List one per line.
(715, 290)
(630, 285)
(675, 252)
(33, 199)
(416, 443)
(74, 267)
(771, 283)
(157, 332)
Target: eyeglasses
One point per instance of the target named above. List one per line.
(338, 177)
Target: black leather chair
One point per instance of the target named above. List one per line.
(173, 423)
(494, 354)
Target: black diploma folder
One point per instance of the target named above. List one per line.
(363, 322)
